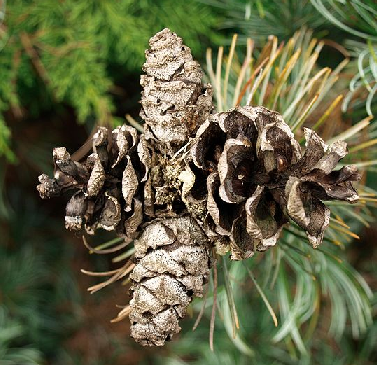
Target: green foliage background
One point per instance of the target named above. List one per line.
(66, 66)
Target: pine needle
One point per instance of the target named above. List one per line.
(284, 76)
(228, 65)
(124, 256)
(327, 113)
(241, 76)
(214, 306)
(109, 243)
(266, 71)
(134, 123)
(305, 114)
(322, 74)
(365, 163)
(200, 315)
(121, 272)
(361, 146)
(125, 243)
(250, 80)
(105, 273)
(218, 79)
(364, 200)
(210, 67)
(370, 97)
(254, 88)
(351, 132)
(230, 299)
(266, 78)
(266, 302)
(343, 230)
(122, 314)
(339, 221)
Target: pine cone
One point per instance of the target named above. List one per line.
(174, 100)
(258, 177)
(105, 189)
(173, 265)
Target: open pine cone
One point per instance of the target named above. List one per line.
(192, 181)
(258, 177)
(105, 188)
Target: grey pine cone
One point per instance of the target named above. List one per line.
(173, 264)
(174, 100)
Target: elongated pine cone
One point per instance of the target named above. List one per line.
(106, 189)
(174, 100)
(258, 176)
(173, 265)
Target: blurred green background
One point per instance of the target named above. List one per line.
(67, 66)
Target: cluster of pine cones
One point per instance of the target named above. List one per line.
(195, 182)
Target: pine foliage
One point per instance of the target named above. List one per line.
(35, 279)
(11, 332)
(257, 19)
(358, 19)
(65, 52)
(349, 26)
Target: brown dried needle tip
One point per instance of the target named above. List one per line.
(174, 100)
(258, 177)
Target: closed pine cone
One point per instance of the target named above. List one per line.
(173, 264)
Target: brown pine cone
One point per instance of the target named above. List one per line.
(105, 189)
(258, 177)
(173, 264)
(174, 100)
